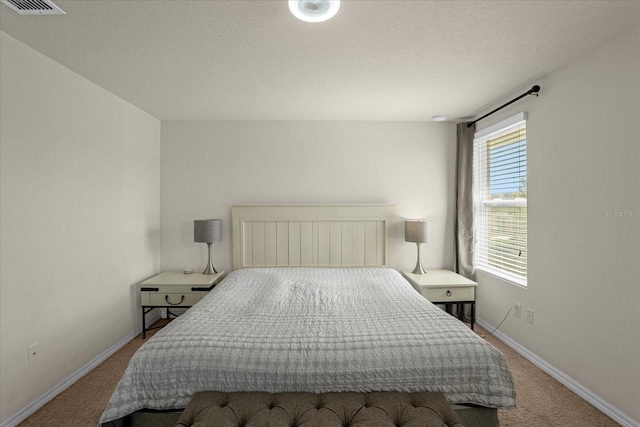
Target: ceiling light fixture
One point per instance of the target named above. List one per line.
(314, 10)
(439, 118)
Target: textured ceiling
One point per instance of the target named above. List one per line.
(375, 60)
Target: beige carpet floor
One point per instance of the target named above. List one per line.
(541, 400)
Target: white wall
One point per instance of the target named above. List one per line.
(583, 139)
(80, 176)
(209, 166)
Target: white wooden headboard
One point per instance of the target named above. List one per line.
(311, 235)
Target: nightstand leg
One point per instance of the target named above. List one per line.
(145, 311)
(144, 324)
(473, 314)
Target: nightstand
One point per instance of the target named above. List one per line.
(445, 287)
(174, 290)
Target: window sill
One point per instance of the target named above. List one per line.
(506, 277)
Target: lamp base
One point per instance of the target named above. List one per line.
(418, 269)
(210, 268)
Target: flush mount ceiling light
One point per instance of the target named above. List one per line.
(314, 10)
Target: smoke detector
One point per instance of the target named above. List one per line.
(34, 7)
(314, 10)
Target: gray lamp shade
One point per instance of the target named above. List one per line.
(417, 231)
(207, 230)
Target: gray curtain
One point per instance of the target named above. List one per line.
(463, 221)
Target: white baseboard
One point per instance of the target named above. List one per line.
(25, 412)
(607, 408)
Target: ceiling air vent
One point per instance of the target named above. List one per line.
(34, 7)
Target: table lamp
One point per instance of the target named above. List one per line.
(417, 232)
(208, 231)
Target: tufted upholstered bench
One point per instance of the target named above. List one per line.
(383, 409)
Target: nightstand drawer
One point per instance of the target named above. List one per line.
(174, 289)
(449, 294)
(161, 299)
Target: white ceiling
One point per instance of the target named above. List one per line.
(375, 60)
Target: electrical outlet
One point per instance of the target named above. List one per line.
(33, 353)
(517, 309)
(529, 316)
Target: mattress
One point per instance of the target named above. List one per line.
(312, 330)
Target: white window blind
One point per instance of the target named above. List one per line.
(500, 199)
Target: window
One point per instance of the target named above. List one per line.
(500, 199)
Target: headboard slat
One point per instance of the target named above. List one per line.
(311, 235)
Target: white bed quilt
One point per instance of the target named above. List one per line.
(312, 330)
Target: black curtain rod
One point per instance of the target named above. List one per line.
(533, 91)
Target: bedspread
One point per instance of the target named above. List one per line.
(312, 330)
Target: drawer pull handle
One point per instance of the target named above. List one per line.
(448, 293)
(150, 289)
(202, 288)
(166, 298)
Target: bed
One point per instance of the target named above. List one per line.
(312, 306)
